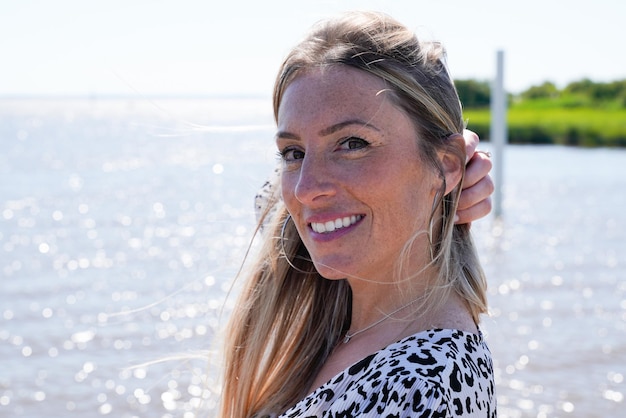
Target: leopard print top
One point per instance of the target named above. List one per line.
(434, 373)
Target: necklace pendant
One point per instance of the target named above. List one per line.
(346, 339)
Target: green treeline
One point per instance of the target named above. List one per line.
(583, 113)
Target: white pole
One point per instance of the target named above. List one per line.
(498, 130)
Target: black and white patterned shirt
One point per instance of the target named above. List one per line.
(434, 373)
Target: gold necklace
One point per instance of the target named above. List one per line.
(348, 336)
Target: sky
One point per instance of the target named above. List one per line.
(234, 47)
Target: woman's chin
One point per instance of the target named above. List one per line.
(330, 273)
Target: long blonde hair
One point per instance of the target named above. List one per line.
(288, 318)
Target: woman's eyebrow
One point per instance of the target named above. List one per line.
(338, 126)
(287, 135)
(330, 130)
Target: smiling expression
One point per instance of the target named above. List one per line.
(352, 177)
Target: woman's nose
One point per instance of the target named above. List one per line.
(315, 180)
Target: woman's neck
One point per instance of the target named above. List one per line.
(452, 313)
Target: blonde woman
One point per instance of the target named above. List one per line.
(366, 296)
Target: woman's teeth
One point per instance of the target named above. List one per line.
(338, 223)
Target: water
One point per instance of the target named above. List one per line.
(558, 283)
(122, 224)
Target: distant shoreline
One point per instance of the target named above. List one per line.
(134, 97)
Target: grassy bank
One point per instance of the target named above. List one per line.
(585, 112)
(582, 126)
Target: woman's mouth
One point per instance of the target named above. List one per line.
(338, 223)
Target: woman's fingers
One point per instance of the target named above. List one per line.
(475, 200)
(471, 143)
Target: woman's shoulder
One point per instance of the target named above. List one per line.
(436, 356)
(428, 371)
(442, 344)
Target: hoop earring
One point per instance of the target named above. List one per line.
(430, 227)
(436, 201)
(284, 253)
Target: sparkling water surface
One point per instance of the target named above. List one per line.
(123, 223)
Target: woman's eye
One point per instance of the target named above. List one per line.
(291, 154)
(354, 143)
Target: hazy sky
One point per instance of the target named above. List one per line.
(81, 47)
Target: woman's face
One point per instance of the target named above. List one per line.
(352, 177)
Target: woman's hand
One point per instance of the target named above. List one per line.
(475, 200)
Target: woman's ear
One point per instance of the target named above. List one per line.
(453, 161)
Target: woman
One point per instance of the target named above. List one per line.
(365, 297)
